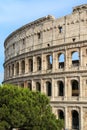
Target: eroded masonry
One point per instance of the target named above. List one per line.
(50, 55)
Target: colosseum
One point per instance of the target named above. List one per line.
(50, 55)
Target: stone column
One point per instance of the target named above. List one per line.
(69, 60)
(25, 84)
(11, 70)
(69, 89)
(19, 67)
(45, 87)
(33, 86)
(53, 88)
(65, 88)
(42, 86)
(55, 62)
(26, 66)
(66, 119)
(43, 63)
(56, 90)
(14, 68)
(80, 87)
(81, 118)
(66, 60)
(7, 71)
(80, 57)
(34, 65)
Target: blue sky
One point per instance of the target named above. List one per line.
(16, 13)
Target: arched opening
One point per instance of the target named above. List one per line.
(60, 114)
(75, 58)
(38, 86)
(23, 67)
(61, 60)
(49, 60)
(29, 86)
(9, 70)
(22, 85)
(17, 68)
(30, 65)
(75, 120)
(12, 69)
(38, 63)
(75, 88)
(48, 88)
(61, 88)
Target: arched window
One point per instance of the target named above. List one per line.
(12, 69)
(60, 114)
(30, 65)
(75, 58)
(60, 88)
(61, 60)
(75, 88)
(48, 88)
(38, 63)
(75, 120)
(29, 86)
(23, 67)
(38, 86)
(17, 68)
(49, 60)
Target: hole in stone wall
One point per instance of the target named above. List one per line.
(13, 45)
(73, 39)
(60, 29)
(39, 35)
(48, 44)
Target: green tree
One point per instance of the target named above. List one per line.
(26, 110)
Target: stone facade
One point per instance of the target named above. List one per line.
(50, 55)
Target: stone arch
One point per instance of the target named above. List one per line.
(22, 66)
(38, 63)
(38, 86)
(30, 86)
(75, 58)
(60, 114)
(12, 69)
(9, 70)
(30, 65)
(49, 61)
(17, 68)
(75, 120)
(75, 87)
(48, 88)
(60, 85)
(61, 60)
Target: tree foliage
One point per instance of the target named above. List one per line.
(26, 110)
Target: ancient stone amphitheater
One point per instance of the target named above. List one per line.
(50, 55)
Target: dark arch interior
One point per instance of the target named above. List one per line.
(75, 120)
(48, 85)
(61, 114)
(61, 88)
(75, 88)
